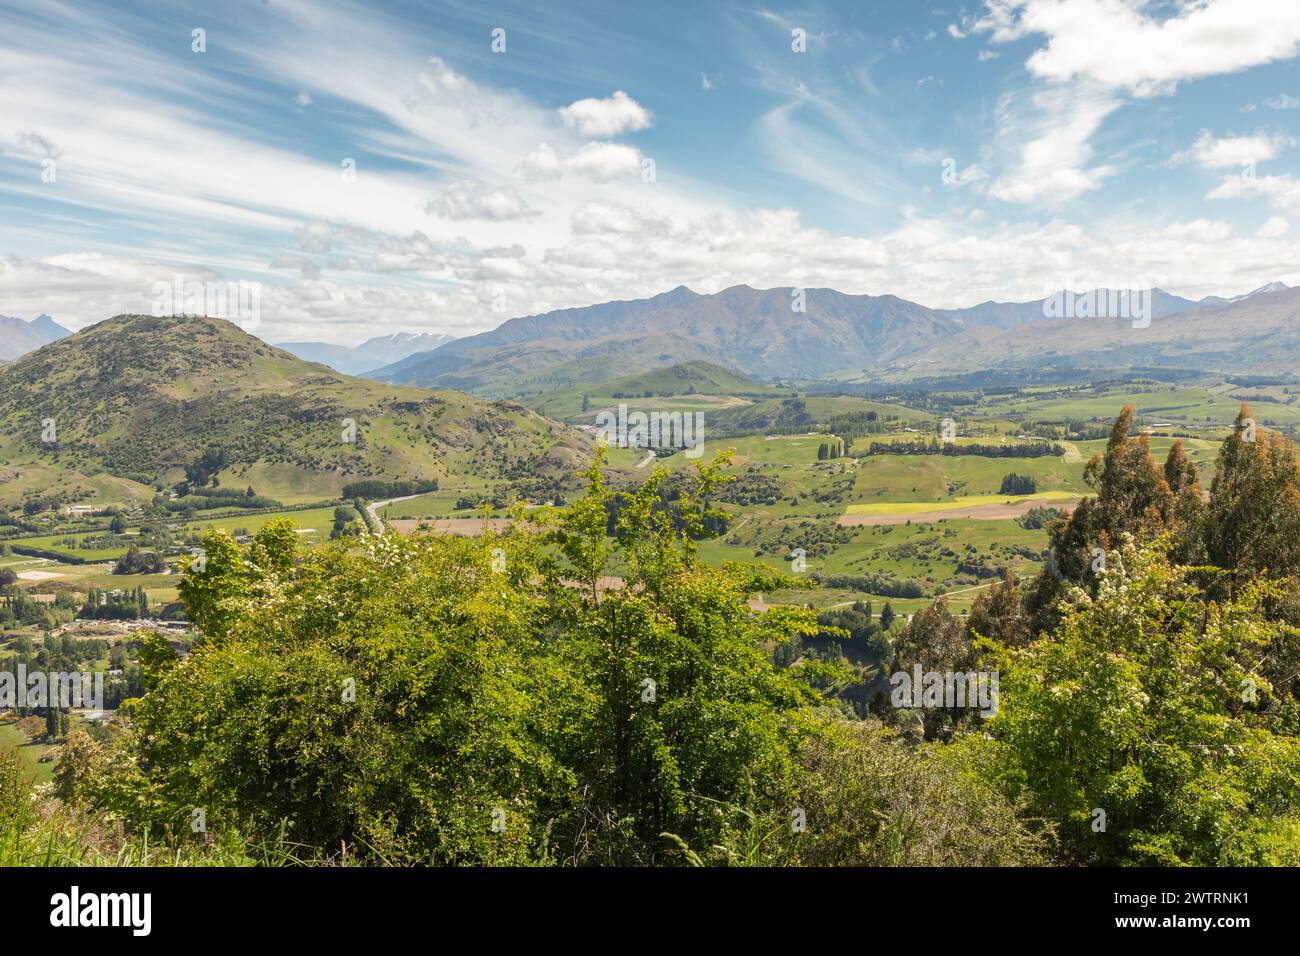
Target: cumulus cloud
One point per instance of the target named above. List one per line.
(415, 252)
(599, 162)
(1275, 227)
(1210, 152)
(604, 219)
(541, 164)
(1282, 191)
(609, 117)
(469, 199)
(1118, 44)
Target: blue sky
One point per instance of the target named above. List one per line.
(945, 153)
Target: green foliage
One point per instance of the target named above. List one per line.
(378, 488)
(581, 689)
(1014, 484)
(1149, 704)
(157, 657)
(406, 695)
(872, 800)
(215, 585)
(1253, 524)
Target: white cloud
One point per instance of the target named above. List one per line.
(305, 267)
(601, 218)
(618, 252)
(1283, 101)
(1115, 42)
(1281, 191)
(1050, 144)
(468, 199)
(442, 79)
(599, 162)
(138, 148)
(1209, 152)
(610, 117)
(37, 144)
(1274, 228)
(603, 162)
(541, 164)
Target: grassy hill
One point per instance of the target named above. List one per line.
(136, 399)
(688, 383)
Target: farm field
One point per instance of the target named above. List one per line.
(937, 521)
(1201, 406)
(29, 752)
(971, 506)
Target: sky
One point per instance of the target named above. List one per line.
(442, 167)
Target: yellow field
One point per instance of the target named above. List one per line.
(954, 504)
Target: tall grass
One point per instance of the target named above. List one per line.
(38, 830)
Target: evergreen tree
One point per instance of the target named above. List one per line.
(1253, 523)
(936, 641)
(1188, 518)
(998, 614)
(1132, 496)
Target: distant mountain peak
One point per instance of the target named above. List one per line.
(18, 337)
(374, 352)
(1265, 289)
(47, 324)
(678, 296)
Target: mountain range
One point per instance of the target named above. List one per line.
(786, 334)
(373, 353)
(759, 332)
(1258, 333)
(18, 337)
